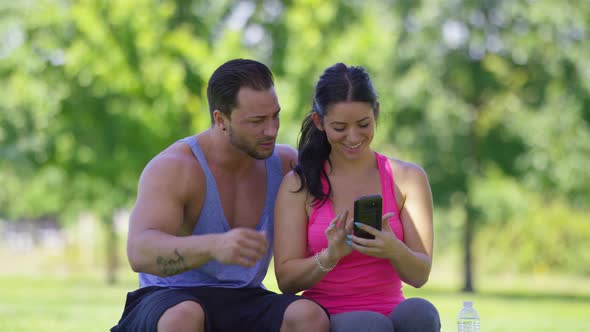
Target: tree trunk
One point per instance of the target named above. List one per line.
(112, 257)
(471, 215)
(467, 258)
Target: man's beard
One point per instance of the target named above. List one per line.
(244, 146)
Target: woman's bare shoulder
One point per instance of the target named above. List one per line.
(406, 172)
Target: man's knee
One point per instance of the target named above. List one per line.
(185, 316)
(305, 315)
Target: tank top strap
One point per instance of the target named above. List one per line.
(274, 176)
(212, 201)
(198, 153)
(273, 181)
(387, 181)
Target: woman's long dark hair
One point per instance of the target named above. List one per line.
(339, 83)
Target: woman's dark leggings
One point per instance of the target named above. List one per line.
(412, 315)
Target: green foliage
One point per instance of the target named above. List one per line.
(19, 193)
(92, 93)
(482, 75)
(492, 98)
(528, 232)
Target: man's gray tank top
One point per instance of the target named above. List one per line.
(212, 220)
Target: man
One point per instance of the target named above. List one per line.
(201, 230)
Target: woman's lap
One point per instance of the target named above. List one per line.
(413, 314)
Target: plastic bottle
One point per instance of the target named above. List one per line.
(468, 319)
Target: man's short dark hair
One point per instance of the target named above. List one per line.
(226, 81)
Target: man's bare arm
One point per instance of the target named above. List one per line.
(155, 244)
(158, 244)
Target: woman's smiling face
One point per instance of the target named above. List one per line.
(349, 127)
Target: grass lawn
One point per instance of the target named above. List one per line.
(38, 303)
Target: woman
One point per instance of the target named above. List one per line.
(357, 280)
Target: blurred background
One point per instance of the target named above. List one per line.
(491, 98)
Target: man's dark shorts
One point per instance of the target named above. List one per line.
(226, 309)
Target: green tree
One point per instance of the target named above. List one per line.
(494, 84)
(92, 90)
(469, 89)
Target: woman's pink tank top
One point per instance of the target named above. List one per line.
(358, 282)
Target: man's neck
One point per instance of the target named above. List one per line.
(222, 154)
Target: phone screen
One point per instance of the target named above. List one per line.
(367, 210)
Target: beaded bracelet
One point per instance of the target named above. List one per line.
(317, 260)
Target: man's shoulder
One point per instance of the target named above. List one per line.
(178, 154)
(288, 156)
(176, 162)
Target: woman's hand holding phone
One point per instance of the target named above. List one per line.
(336, 234)
(384, 243)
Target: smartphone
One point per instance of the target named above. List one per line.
(367, 210)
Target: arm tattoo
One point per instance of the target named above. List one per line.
(172, 266)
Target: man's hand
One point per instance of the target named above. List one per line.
(241, 246)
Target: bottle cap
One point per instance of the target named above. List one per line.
(468, 304)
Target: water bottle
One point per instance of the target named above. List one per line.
(468, 319)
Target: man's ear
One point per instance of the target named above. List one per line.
(220, 120)
(317, 121)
